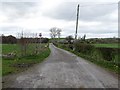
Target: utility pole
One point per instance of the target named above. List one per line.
(77, 22)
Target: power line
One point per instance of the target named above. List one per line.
(86, 6)
(98, 4)
(73, 14)
(71, 17)
(89, 6)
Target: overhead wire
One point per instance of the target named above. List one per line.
(98, 4)
(74, 12)
(89, 6)
(71, 17)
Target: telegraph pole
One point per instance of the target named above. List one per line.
(77, 22)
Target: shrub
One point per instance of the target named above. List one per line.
(108, 54)
(84, 48)
(63, 46)
(96, 55)
(55, 44)
(70, 46)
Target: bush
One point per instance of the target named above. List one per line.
(63, 46)
(84, 48)
(96, 55)
(70, 46)
(55, 44)
(108, 54)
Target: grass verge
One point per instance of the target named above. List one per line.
(19, 64)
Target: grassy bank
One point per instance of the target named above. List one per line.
(107, 45)
(21, 63)
(96, 57)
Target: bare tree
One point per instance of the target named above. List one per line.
(59, 32)
(53, 32)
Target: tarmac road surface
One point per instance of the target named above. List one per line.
(62, 69)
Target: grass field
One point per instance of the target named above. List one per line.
(107, 45)
(12, 65)
(9, 48)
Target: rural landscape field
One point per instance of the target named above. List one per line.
(11, 65)
(19, 63)
(59, 45)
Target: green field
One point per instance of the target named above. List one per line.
(9, 48)
(107, 45)
(12, 65)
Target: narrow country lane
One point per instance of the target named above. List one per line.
(62, 69)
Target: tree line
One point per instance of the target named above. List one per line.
(13, 40)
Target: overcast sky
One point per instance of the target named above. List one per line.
(97, 18)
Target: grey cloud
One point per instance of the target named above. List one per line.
(9, 29)
(96, 12)
(102, 29)
(98, 31)
(67, 11)
(95, 30)
(16, 10)
(18, 5)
